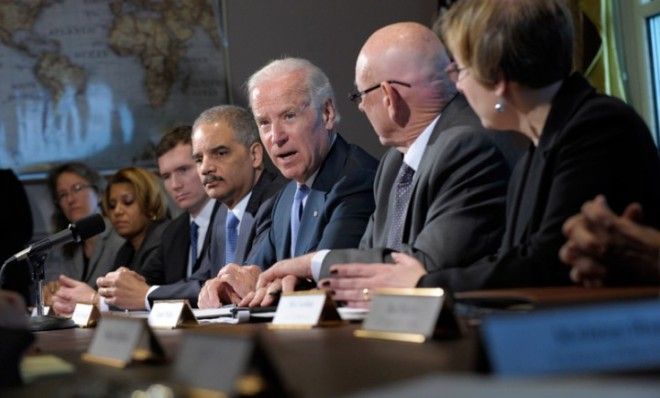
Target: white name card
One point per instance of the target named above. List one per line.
(413, 315)
(120, 340)
(305, 309)
(171, 314)
(47, 311)
(604, 337)
(85, 315)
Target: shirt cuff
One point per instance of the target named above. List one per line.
(146, 298)
(317, 262)
(103, 306)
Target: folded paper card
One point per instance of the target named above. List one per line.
(413, 315)
(171, 314)
(305, 309)
(85, 315)
(603, 337)
(119, 341)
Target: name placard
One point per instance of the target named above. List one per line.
(305, 309)
(171, 314)
(198, 365)
(412, 315)
(85, 315)
(623, 336)
(121, 340)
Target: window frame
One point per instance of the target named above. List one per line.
(636, 67)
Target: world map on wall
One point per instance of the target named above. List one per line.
(100, 81)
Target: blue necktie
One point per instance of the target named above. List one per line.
(403, 190)
(194, 234)
(296, 214)
(231, 237)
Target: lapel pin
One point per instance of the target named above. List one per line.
(316, 213)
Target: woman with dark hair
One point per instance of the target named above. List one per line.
(75, 189)
(136, 205)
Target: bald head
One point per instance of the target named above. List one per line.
(407, 62)
(405, 51)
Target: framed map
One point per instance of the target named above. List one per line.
(100, 81)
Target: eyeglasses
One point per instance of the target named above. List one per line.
(75, 188)
(356, 96)
(454, 72)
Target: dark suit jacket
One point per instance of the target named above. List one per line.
(136, 260)
(15, 213)
(254, 223)
(591, 144)
(457, 206)
(337, 210)
(170, 263)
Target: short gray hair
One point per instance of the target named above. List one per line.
(240, 120)
(317, 83)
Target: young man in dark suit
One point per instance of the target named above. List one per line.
(181, 249)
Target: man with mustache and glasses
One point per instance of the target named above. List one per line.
(328, 203)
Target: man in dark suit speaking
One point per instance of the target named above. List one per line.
(440, 189)
(328, 203)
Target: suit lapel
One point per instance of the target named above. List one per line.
(324, 182)
(516, 189)
(217, 247)
(310, 220)
(282, 222)
(245, 236)
(178, 250)
(207, 238)
(96, 255)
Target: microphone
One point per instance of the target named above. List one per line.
(76, 232)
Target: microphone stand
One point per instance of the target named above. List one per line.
(42, 322)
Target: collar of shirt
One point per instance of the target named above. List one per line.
(413, 156)
(203, 220)
(240, 207)
(204, 217)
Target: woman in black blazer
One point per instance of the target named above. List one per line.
(514, 66)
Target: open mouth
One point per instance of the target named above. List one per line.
(287, 155)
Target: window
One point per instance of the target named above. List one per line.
(640, 46)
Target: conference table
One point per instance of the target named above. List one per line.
(318, 362)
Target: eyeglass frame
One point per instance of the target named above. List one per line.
(73, 190)
(453, 71)
(357, 95)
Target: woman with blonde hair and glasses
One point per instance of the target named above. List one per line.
(137, 207)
